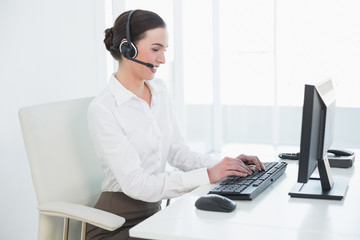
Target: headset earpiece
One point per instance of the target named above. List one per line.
(128, 49)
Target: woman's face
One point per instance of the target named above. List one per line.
(151, 49)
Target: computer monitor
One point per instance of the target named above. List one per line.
(317, 133)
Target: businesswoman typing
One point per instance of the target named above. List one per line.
(135, 133)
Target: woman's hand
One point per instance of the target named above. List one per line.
(251, 160)
(238, 166)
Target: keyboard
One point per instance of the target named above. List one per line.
(247, 188)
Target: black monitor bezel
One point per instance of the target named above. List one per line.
(317, 128)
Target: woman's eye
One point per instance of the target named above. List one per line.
(155, 49)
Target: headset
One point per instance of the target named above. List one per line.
(127, 48)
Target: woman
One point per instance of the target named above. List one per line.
(135, 133)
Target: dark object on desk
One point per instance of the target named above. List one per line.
(247, 188)
(337, 158)
(214, 202)
(341, 158)
(289, 156)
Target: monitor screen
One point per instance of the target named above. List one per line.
(317, 132)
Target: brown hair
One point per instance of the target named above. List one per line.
(140, 22)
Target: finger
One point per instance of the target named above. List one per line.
(237, 173)
(234, 164)
(252, 160)
(239, 166)
(258, 163)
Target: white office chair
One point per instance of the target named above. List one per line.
(66, 173)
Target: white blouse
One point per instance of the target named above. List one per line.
(134, 142)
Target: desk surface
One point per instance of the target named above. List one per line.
(271, 215)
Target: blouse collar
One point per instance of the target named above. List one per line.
(122, 95)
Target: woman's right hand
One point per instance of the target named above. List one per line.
(231, 167)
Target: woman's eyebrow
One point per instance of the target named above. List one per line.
(158, 44)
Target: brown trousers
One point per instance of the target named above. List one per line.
(134, 211)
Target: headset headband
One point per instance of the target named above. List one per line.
(128, 26)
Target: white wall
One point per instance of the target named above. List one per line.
(50, 50)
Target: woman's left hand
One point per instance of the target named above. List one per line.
(251, 160)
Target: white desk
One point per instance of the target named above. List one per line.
(271, 215)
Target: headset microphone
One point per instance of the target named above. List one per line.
(128, 49)
(149, 65)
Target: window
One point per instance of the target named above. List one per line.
(198, 51)
(237, 68)
(247, 52)
(317, 39)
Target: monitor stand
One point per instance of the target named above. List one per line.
(324, 187)
(313, 189)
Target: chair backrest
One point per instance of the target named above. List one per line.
(63, 162)
(61, 155)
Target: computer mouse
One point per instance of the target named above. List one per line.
(215, 202)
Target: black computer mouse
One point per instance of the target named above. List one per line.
(214, 202)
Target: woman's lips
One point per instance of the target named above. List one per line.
(154, 69)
